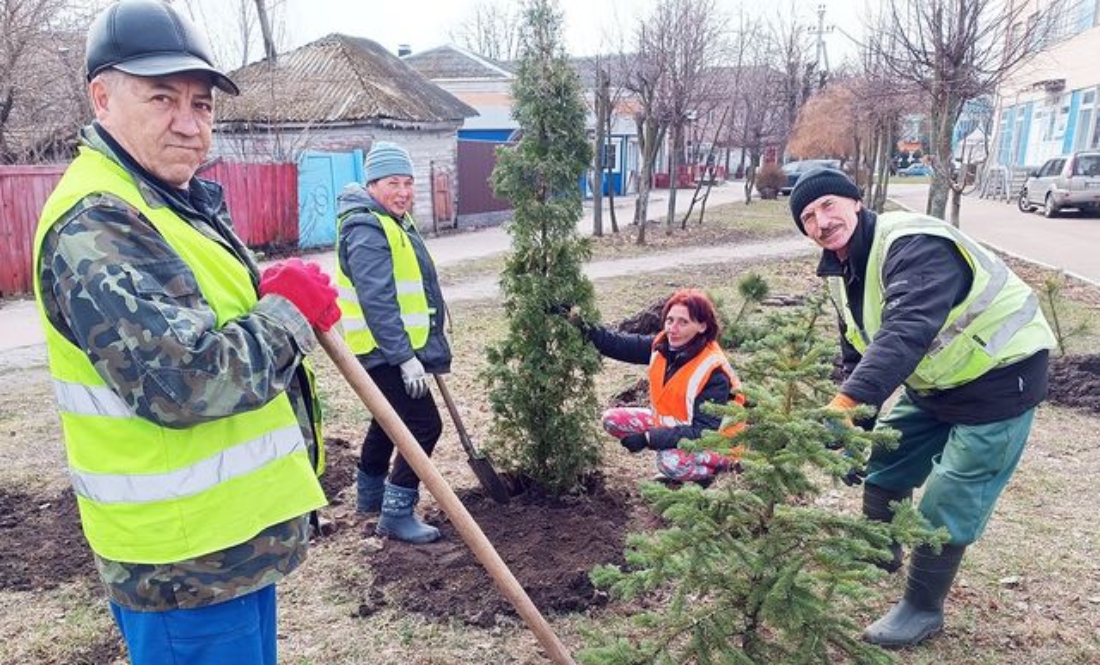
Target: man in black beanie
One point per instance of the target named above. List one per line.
(926, 308)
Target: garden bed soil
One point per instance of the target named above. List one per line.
(550, 543)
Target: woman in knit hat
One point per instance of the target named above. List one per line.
(393, 321)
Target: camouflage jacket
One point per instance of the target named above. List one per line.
(110, 284)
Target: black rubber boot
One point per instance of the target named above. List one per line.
(876, 507)
(919, 615)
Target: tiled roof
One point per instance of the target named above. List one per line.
(337, 79)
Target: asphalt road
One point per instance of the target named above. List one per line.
(1070, 242)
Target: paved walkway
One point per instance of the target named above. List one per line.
(1070, 243)
(20, 330)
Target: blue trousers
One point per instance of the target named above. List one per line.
(964, 468)
(237, 631)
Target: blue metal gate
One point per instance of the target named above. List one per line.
(321, 176)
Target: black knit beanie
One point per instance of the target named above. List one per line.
(816, 183)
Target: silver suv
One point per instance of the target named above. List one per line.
(1069, 181)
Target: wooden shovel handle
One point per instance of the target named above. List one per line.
(467, 528)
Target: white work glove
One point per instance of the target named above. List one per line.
(416, 381)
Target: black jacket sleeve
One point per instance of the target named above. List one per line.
(624, 347)
(924, 278)
(717, 389)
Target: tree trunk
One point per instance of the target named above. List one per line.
(944, 114)
(956, 206)
(265, 29)
(611, 175)
(650, 136)
(601, 148)
(673, 168)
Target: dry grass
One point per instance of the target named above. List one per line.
(1029, 592)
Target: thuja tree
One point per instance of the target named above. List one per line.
(540, 376)
(751, 571)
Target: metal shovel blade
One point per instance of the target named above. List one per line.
(483, 468)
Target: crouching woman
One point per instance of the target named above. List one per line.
(687, 369)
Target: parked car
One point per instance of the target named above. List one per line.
(1069, 181)
(916, 169)
(795, 169)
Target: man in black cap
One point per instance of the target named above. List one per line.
(926, 308)
(190, 419)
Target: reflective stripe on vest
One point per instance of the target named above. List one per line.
(152, 494)
(674, 401)
(408, 283)
(235, 462)
(998, 323)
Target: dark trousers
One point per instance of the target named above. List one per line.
(421, 417)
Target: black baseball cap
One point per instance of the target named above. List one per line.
(150, 38)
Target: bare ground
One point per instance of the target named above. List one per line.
(1029, 592)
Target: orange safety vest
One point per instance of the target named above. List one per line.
(674, 401)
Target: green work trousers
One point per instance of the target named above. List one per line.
(966, 466)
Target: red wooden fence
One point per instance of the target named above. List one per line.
(23, 192)
(262, 200)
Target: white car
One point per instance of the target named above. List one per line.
(1069, 181)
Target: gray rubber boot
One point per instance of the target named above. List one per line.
(369, 490)
(398, 519)
(876, 507)
(919, 615)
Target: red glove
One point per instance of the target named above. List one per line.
(307, 287)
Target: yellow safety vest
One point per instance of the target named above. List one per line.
(998, 323)
(408, 281)
(152, 494)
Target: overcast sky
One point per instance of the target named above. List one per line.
(589, 24)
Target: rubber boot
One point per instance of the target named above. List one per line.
(398, 519)
(919, 615)
(876, 507)
(369, 491)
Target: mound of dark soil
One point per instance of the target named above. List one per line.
(341, 459)
(41, 544)
(646, 322)
(1075, 382)
(549, 543)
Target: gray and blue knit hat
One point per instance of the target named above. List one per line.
(386, 159)
(816, 183)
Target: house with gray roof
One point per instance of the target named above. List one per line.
(323, 105)
(482, 83)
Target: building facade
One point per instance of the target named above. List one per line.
(1051, 104)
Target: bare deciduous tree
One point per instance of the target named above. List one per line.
(42, 98)
(696, 46)
(491, 29)
(237, 27)
(667, 74)
(646, 80)
(827, 125)
(954, 51)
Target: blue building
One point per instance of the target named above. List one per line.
(1049, 106)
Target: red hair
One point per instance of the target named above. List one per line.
(700, 309)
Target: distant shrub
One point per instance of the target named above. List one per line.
(769, 179)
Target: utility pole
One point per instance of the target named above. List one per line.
(822, 57)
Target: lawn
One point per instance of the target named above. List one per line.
(1028, 593)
